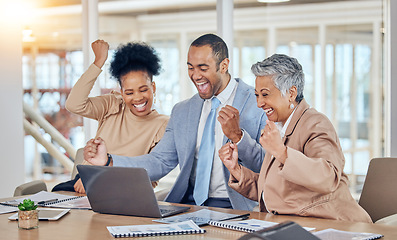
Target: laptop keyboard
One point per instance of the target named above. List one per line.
(165, 211)
(170, 210)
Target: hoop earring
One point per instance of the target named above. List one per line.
(292, 106)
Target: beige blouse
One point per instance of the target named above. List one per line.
(124, 133)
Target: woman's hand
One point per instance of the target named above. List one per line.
(78, 186)
(271, 141)
(100, 49)
(229, 156)
(95, 152)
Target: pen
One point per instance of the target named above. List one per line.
(48, 201)
(243, 217)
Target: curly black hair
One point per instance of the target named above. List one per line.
(134, 56)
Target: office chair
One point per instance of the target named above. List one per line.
(30, 188)
(78, 160)
(379, 195)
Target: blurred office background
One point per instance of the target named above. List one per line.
(340, 44)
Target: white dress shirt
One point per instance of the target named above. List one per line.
(217, 188)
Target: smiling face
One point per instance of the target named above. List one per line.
(269, 98)
(202, 70)
(137, 91)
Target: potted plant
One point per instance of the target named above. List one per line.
(28, 215)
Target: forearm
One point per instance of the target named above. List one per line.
(247, 184)
(77, 101)
(235, 172)
(250, 152)
(318, 174)
(156, 167)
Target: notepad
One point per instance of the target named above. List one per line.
(7, 209)
(187, 227)
(330, 234)
(250, 225)
(200, 217)
(50, 199)
(46, 214)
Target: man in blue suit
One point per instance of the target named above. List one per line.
(239, 121)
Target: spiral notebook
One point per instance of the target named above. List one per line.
(250, 225)
(187, 227)
(50, 199)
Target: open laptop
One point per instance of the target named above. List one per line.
(123, 191)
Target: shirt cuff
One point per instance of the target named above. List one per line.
(242, 136)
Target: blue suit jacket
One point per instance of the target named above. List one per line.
(179, 142)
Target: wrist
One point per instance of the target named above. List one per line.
(282, 156)
(237, 137)
(236, 172)
(99, 62)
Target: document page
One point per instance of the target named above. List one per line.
(200, 217)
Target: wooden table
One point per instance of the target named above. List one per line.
(86, 224)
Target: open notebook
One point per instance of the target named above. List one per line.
(50, 199)
(7, 209)
(249, 225)
(201, 217)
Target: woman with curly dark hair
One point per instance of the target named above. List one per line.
(125, 119)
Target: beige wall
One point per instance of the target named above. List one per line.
(12, 172)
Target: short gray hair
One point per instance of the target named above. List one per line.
(285, 72)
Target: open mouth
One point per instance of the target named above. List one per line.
(269, 111)
(140, 107)
(202, 87)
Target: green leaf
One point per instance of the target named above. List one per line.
(27, 205)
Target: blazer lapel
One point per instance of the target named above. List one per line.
(301, 109)
(240, 99)
(193, 119)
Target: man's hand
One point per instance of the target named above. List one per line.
(229, 156)
(78, 186)
(95, 152)
(100, 49)
(229, 118)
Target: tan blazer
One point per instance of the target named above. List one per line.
(312, 181)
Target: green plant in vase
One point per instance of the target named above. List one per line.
(28, 215)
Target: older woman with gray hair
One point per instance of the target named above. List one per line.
(302, 172)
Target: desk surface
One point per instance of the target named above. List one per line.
(86, 224)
